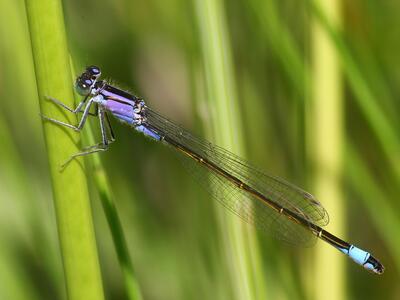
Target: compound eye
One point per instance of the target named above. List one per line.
(93, 71)
(83, 86)
(87, 82)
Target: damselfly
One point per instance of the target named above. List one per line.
(269, 203)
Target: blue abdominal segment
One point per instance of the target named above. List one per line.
(148, 132)
(141, 128)
(124, 118)
(358, 255)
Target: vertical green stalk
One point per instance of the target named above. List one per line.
(71, 199)
(241, 245)
(325, 129)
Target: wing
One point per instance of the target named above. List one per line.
(239, 201)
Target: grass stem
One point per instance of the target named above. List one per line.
(71, 199)
(325, 125)
(241, 244)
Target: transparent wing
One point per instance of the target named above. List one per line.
(240, 202)
(247, 207)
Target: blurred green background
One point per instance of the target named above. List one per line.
(317, 91)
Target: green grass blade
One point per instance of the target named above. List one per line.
(326, 119)
(71, 199)
(241, 244)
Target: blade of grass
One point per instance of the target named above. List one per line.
(325, 130)
(71, 199)
(241, 246)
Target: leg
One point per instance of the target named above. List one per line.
(109, 127)
(81, 122)
(78, 109)
(86, 151)
(103, 146)
(102, 128)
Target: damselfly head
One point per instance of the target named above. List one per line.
(85, 82)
